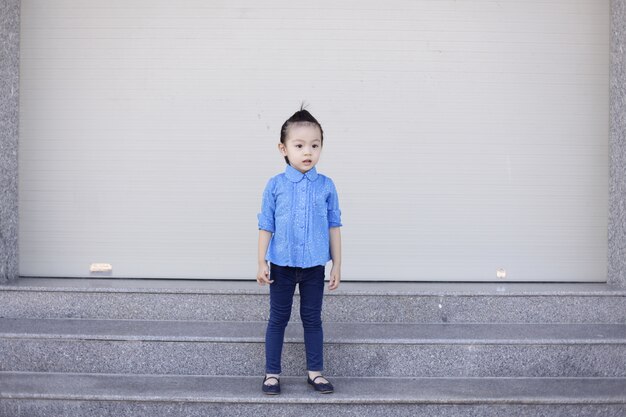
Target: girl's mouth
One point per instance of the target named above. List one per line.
(307, 161)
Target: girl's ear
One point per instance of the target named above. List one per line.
(282, 149)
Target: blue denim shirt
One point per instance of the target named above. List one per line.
(298, 209)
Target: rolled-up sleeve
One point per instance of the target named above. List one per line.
(268, 206)
(334, 213)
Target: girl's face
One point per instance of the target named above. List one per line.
(302, 146)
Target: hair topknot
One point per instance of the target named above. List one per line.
(302, 116)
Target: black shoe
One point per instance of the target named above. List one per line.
(271, 389)
(323, 387)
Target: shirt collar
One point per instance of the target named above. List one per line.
(296, 176)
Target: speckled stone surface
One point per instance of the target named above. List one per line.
(115, 395)
(352, 333)
(198, 388)
(9, 120)
(433, 360)
(383, 349)
(617, 148)
(73, 408)
(352, 302)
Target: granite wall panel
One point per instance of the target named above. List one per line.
(9, 105)
(617, 149)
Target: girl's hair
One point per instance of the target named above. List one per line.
(301, 117)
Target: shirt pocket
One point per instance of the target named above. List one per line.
(321, 207)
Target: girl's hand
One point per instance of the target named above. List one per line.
(335, 277)
(262, 275)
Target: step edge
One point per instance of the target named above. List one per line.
(79, 329)
(357, 288)
(234, 400)
(522, 399)
(329, 341)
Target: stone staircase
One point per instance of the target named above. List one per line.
(111, 347)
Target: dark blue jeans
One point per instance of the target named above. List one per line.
(311, 286)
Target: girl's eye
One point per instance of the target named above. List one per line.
(298, 146)
(315, 146)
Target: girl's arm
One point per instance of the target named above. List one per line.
(262, 275)
(335, 254)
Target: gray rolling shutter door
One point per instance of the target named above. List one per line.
(463, 136)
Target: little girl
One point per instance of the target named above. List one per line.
(298, 234)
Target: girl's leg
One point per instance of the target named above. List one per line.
(281, 300)
(311, 294)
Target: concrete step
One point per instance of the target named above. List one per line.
(85, 395)
(351, 349)
(353, 302)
